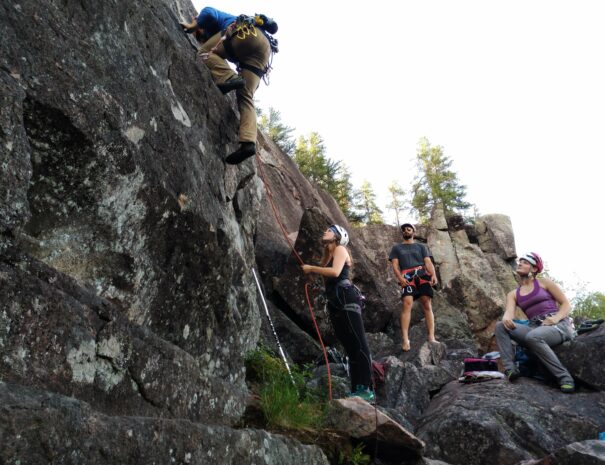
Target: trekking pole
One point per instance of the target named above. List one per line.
(279, 347)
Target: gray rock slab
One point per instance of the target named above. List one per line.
(38, 427)
(59, 336)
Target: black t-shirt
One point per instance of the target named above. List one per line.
(409, 255)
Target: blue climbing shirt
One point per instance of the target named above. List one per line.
(213, 20)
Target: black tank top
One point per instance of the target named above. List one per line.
(332, 282)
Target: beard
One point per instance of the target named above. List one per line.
(407, 236)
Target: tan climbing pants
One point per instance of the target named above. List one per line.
(253, 49)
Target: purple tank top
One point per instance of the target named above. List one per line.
(537, 302)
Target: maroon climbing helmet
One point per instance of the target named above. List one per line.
(534, 259)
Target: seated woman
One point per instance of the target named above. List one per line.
(547, 309)
(344, 308)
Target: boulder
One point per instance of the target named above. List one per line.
(404, 391)
(583, 357)
(445, 257)
(414, 376)
(438, 221)
(358, 419)
(293, 287)
(451, 323)
(495, 234)
(382, 345)
(477, 290)
(504, 271)
(504, 423)
(379, 239)
(591, 452)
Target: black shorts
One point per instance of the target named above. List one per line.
(417, 291)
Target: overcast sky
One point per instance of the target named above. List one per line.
(513, 91)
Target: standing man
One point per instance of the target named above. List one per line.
(415, 273)
(241, 40)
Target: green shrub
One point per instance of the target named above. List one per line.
(589, 305)
(355, 456)
(285, 400)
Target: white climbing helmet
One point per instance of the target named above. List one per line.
(342, 233)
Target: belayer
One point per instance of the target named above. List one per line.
(245, 41)
(344, 308)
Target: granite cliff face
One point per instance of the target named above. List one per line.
(113, 292)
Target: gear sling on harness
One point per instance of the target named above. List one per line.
(243, 27)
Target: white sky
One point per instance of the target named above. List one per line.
(513, 91)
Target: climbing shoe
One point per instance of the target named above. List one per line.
(567, 388)
(512, 375)
(246, 150)
(363, 392)
(236, 82)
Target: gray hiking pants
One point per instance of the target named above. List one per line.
(539, 340)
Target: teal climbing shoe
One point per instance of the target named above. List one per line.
(363, 392)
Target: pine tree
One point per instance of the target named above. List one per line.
(436, 183)
(368, 209)
(346, 196)
(310, 157)
(397, 200)
(271, 124)
(332, 176)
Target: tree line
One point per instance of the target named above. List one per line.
(435, 182)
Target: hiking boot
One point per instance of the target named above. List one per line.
(236, 82)
(363, 392)
(246, 150)
(567, 388)
(512, 375)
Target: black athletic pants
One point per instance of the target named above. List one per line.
(345, 314)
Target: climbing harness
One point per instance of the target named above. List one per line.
(346, 284)
(565, 335)
(243, 27)
(279, 346)
(415, 277)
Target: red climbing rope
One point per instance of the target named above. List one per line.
(300, 260)
(275, 212)
(321, 342)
